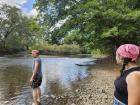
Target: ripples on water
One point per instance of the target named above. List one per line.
(58, 75)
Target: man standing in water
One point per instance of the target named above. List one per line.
(36, 78)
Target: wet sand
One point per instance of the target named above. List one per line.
(97, 89)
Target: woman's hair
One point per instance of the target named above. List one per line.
(125, 62)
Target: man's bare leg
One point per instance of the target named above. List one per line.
(35, 97)
(38, 94)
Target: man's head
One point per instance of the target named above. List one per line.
(35, 53)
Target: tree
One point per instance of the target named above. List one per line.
(50, 11)
(9, 21)
(15, 25)
(104, 24)
(95, 24)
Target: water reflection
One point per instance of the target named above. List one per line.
(12, 80)
(58, 74)
(61, 72)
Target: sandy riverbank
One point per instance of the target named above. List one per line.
(97, 89)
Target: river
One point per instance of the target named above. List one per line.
(59, 73)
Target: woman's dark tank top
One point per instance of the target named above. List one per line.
(121, 92)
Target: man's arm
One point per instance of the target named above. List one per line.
(34, 71)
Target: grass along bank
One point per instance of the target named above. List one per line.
(64, 49)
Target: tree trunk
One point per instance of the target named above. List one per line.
(27, 47)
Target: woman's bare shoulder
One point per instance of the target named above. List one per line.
(133, 77)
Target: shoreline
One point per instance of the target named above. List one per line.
(96, 89)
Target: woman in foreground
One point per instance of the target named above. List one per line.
(127, 85)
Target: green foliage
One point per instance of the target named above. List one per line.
(52, 10)
(92, 26)
(73, 37)
(111, 32)
(65, 48)
(16, 30)
(14, 41)
(100, 26)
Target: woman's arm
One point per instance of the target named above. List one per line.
(133, 87)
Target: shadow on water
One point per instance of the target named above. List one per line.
(58, 75)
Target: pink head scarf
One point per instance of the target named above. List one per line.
(128, 51)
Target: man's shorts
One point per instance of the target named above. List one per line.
(36, 82)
